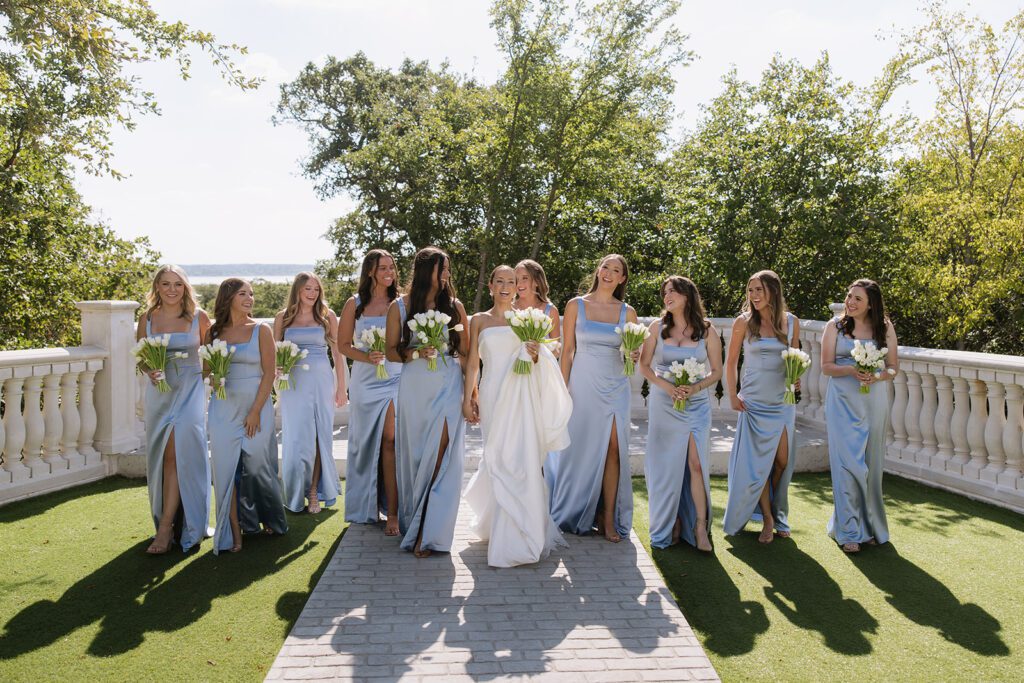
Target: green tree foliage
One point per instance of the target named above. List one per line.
(63, 87)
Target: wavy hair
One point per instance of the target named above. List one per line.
(427, 262)
(320, 309)
(772, 284)
(694, 313)
(366, 281)
(876, 312)
(222, 306)
(540, 279)
(620, 289)
(189, 304)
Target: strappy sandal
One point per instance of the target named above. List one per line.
(314, 503)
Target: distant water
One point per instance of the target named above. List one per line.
(213, 274)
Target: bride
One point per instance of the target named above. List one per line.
(522, 417)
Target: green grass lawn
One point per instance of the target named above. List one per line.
(81, 600)
(943, 601)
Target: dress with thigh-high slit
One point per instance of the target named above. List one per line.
(180, 411)
(666, 465)
(307, 421)
(600, 398)
(759, 429)
(427, 401)
(369, 400)
(250, 464)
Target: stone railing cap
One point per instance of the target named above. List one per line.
(107, 305)
(10, 359)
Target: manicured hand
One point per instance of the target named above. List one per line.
(533, 348)
(155, 376)
(376, 357)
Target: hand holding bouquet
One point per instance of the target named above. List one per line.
(686, 373)
(288, 354)
(431, 328)
(372, 339)
(633, 336)
(151, 353)
(218, 356)
(870, 359)
(797, 362)
(530, 325)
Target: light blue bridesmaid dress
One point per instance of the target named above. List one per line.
(369, 399)
(307, 421)
(856, 425)
(426, 401)
(758, 431)
(668, 437)
(181, 411)
(238, 461)
(600, 396)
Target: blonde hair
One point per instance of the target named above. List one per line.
(772, 284)
(189, 305)
(320, 309)
(540, 280)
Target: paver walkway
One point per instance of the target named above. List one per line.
(594, 611)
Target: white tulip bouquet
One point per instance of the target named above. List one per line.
(868, 358)
(372, 339)
(633, 336)
(688, 372)
(529, 324)
(287, 355)
(218, 356)
(431, 329)
(797, 363)
(151, 353)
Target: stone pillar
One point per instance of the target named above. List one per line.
(110, 325)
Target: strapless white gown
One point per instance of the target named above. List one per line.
(522, 418)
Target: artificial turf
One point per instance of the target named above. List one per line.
(81, 600)
(943, 601)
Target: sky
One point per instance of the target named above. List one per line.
(212, 180)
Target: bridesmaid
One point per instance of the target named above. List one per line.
(760, 465)
(679, 442)
(307, 407)
(591, 484)
(178, 469)
(430, 428)
(857, 422)
(241, 426)
(371, 426)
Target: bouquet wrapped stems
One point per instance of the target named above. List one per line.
(431, 329)
(373, 339)
(797, 363)
(151, 353)
(680, 374)
(633, 336)
(218, 357)
(287, 355)
(529, 324)
(868, 358)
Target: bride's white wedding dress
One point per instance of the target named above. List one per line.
(522, 418)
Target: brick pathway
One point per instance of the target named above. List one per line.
(592, 612)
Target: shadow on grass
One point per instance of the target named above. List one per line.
(803, 591)
(130, 596)
(926, 601)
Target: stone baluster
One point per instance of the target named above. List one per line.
(5, 476)
(811, 396)
(995, 425)
(958, 426)
(926, 418)
(69, 416)
(1013, 446)
(912, 417)
(899, 411)
(943, 420)
(35, 428)
(87, 412)
(14, 426)
(976, 429)
(52, 422)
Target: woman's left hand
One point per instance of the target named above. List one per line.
(252, 423)
(681, 393)
(533, 348)
(635, 355)
(340, 397)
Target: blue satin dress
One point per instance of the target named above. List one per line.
(181, 411)
(426, 402)
(238, 461)
(307, 421)
(666, 467)
(600, 397)
(369, 399)
(856, 425)
(758, 431)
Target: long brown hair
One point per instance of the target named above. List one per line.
(189, 305)
(772, 284)
(694, 312)
(540, 280)
(620, 289)
(222, 306)
(366, 280)
(426, 261)
(320, 309)
(876, 313)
